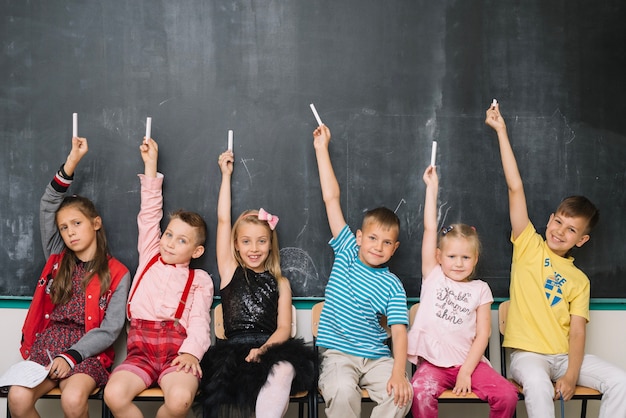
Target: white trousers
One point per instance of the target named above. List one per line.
(537, 372)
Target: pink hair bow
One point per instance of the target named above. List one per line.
(272, 220)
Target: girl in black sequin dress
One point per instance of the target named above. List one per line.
(258, 365)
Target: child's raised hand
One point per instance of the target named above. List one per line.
(78, 151)
(79, 148)
(189, 363)
(430, 176)
(150, 154)
(226, 162)
(149, 150)
(321, 136)
(494, 118)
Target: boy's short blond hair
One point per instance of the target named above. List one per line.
(384, 217)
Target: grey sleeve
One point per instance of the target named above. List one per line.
(97, 340)
(50, 237)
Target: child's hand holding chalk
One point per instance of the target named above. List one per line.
(433, 154)
(148, 129)
(74, 125)
(317, 116)
(493, 118)
(226, 162)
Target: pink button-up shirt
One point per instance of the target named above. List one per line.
(157, 296)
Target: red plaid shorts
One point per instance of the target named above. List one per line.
(151, 348)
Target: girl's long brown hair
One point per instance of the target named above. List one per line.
(61, 289)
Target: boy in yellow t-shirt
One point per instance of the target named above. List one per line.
(550, 301)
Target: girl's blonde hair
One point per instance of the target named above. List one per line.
(272, 263)
(461, 231)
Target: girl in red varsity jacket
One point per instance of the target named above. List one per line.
(77, 311)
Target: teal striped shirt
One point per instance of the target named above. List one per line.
(356, 297)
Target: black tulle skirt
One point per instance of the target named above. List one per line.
(231, 385)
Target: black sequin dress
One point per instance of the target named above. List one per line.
(229, 383)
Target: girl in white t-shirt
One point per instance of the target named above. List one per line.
(452, 326)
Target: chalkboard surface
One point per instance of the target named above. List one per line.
(388, 78)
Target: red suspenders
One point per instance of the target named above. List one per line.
(183, 298)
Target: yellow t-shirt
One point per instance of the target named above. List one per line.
(545, 290)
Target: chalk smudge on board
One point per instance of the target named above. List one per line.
(299, 268)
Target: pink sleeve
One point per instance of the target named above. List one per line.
(198, 316)
(485, 294)
(149, 217)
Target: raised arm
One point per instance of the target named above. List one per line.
(328, 180)
(518, 211)
(429, 240)
(53, 197)
(226, 263)
(151, 204)
(149, 154)
(79, 149)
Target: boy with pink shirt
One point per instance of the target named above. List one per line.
(168, 306)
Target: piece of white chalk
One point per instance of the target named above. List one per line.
(75, 125)
(317, 117)
(433, 155)
(148, 129)
(494, 103)
(230, 140)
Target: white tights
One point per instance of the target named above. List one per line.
(273, 398)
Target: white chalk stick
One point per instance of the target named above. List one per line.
(317, 117)
(494, 103)
(433, 155)
(148, 128)
(230, 140)
(74, 124)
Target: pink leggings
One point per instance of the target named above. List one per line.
(430, 381)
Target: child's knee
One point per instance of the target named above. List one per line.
(425, 385)
(73, 402)
(178, 402)
(510, 396)
(20, 399)
(113, 394)
(118, 395)
(283, 371)
(338, 390)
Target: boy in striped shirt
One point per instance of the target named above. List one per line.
(360, 290)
